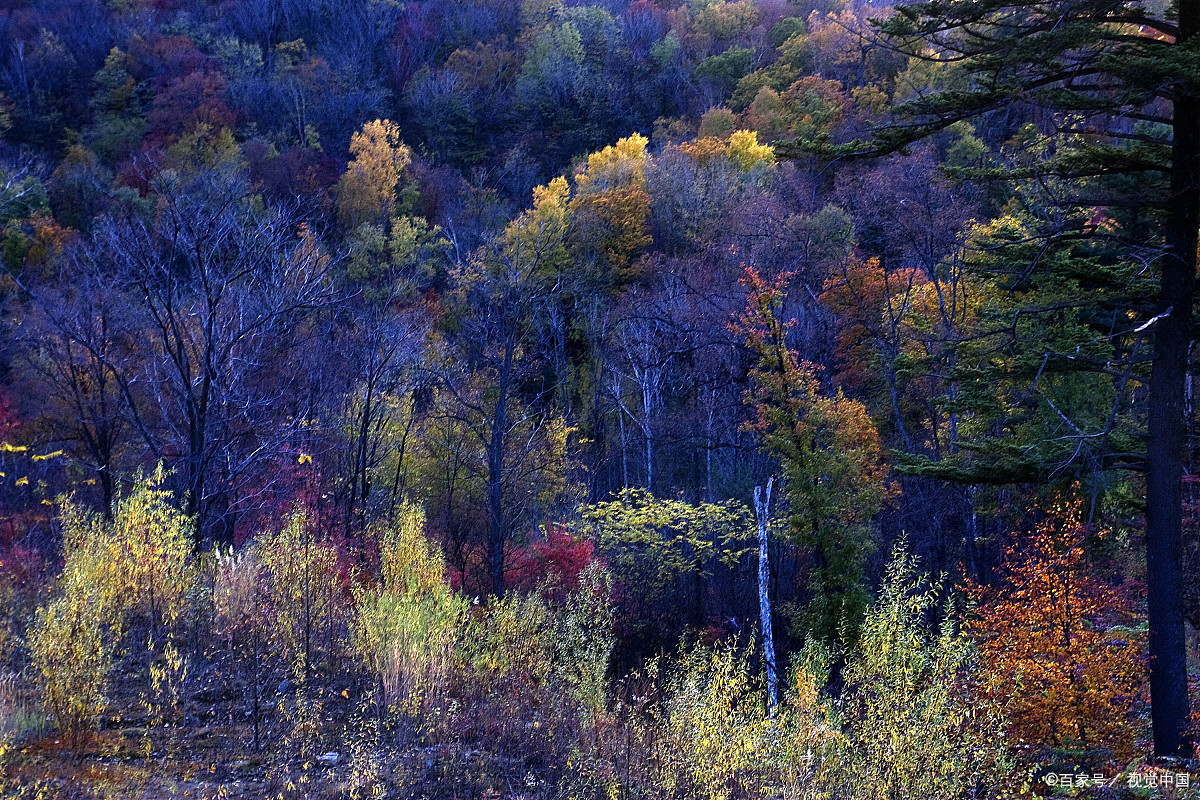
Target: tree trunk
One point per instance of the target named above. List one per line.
(1166, 428)
(495, 456)
(762, 510)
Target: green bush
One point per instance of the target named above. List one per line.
(712, 727)
(585, 639)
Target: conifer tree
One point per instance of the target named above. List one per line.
(1117, 83)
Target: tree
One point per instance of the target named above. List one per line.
(76, 333)
(612, 209)
(658, 544)
(1121, 83)
(762, 514)
(367, 190)
(833, 469)
(497, 298)
(1059, 632)
(382, 333)
(218, 288)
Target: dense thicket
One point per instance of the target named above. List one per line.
(394, 379)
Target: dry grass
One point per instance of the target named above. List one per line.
(21, 715)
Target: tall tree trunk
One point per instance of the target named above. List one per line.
(762, 510)
(496, 511)
(195, 465)
(1165, 448)
(495, 456)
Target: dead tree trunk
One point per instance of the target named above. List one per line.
(762, 511)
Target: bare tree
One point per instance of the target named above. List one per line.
(221, 290)
(492, 377)
(76, 333)
(762, 513)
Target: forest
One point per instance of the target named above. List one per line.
(599, 399)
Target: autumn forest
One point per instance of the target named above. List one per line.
(599, 399)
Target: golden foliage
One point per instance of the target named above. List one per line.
(408, 625)
(1059, 655)
(367, 190)
(138, 566)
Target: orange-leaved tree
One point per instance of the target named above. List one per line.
(835, 476)
(1057, 645)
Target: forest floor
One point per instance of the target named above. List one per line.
(208, 752)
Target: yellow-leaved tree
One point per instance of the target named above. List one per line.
(367, 191)
(612, 207)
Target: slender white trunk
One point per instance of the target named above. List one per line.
(647, 403)
(762, 510)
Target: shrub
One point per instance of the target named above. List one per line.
(136, 565)
(71, 644)
(409, 623)
(511, 641)
(72, 637)
(712, 726)
(305, 589)
(152, 542)
(912, 730)
(585, 639)
(241, 617)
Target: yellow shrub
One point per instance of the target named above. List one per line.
(72, 649)
(913, 731)
(152, 541)
(713, 726)
(303, 585)
(137, 565)
(408, 626)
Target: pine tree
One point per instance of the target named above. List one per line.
(1118, 87)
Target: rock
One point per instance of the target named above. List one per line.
(284, 685)
(329, 759)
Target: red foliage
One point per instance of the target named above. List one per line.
(21, 566)
(559, 558)
(643, 24)
(186, 102)
(271, 494)
(414, 38)
(8, 417)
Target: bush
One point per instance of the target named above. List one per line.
(912, 729)
(712, 726)
(242, 619)
(585, 639)
(408, 625)
(152, 545)
(305, 589)
(136, 566)
(71, 644)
